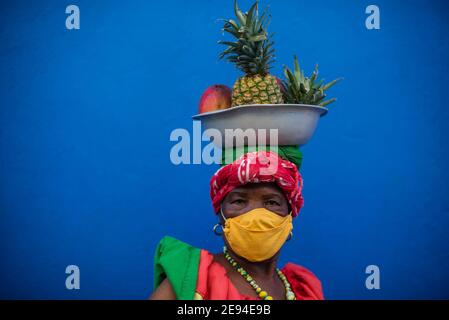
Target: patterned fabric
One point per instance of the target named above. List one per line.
(257, 167)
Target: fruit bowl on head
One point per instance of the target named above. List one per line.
(250, 125)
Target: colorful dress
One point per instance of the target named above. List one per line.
(194, 274)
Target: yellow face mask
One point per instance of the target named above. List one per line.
(258, 234)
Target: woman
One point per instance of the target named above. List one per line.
(255, 198)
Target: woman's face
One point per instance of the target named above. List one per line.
(255, 195)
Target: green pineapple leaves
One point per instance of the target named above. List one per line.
(252, 51)
(300, 89)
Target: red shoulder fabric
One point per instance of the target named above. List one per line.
(305, 284)
(214, 284)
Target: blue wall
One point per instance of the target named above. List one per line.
(85, 119)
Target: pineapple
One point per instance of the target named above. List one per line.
(303, 90)
(252, 52)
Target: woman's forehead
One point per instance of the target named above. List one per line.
(264, 187)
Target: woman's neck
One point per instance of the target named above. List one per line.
(266, 269)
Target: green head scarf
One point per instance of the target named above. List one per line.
(290, 153)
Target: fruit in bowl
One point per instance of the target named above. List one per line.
(252, 52)
(215, 97)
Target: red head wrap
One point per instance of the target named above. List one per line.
(256, 167)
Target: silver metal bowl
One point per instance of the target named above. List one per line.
(295, 123)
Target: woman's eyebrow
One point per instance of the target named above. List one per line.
(270, 195)
(238, 193)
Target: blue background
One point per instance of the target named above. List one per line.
(86, 115)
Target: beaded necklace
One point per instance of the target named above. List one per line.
(289, 294)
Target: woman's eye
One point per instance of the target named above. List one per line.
(238, 201)
(273, 203)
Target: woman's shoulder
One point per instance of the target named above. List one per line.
(304, 282)
(178, 262)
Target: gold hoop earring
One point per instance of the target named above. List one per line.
(215, 229)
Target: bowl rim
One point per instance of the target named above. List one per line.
(198, 116)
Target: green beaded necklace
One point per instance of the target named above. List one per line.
(289, 294)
